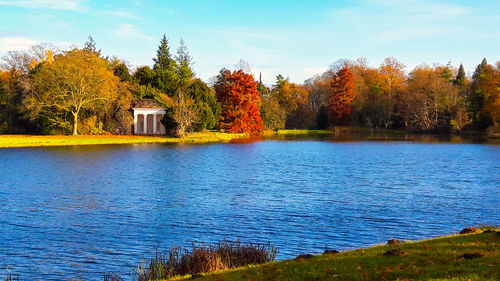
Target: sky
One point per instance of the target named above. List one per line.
(297, 39)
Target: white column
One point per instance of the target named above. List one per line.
(135, 123)
(154, 124)
(145, 123)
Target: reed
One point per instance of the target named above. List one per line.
(204, 258)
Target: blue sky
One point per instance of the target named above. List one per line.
(293, 38)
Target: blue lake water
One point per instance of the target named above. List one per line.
(77, 212)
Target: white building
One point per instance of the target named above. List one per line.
(147, 117)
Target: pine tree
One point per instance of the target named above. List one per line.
(166, 78)
(480, 70)
(263, 90)
(90, 47)
(163, 60)
(184, 61)
(447, 72)
(461, 79)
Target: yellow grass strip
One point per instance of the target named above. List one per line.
(7, 141)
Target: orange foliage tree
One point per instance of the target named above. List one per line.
(341, 98)
(489, 84)
(239, 99)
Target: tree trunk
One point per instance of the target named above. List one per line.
(75, 124)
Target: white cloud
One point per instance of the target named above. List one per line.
(130, 31)
(71, 5)
(16, 43)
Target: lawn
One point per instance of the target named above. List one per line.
(61, 140)
(435, 259)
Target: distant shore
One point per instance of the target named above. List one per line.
(13, 141)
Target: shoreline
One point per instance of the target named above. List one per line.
(20, 141)
(473, 254)
(464, 256)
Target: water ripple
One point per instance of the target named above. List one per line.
(76, 212)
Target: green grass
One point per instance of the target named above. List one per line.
(303, 132)
(343, 131)
(7, 141)
(435, 259)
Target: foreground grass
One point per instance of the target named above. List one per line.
(435, 259)
(7, 141)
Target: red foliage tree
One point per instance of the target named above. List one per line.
(239, 99)
(340, 100)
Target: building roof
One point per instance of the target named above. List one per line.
(146, 103)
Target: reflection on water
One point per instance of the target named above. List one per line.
(76, 212)
(363, 136)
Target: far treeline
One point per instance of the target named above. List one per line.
(48, 91)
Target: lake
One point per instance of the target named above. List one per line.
(77, 212)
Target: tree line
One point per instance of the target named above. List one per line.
(79, 91)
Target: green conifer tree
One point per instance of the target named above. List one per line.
(166, 78)
(184, 61)
(163, 60)
(460, 79)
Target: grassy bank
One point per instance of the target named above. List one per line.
(303, 132)
(457, 257)
(7, 141)
(339, 131)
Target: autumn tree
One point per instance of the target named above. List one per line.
(292, 98)
(485, 92)
(476, 96)
(24, 61)
(272, 114)
(10, 93)
(392, 79)
(290, 95)
(319, 89)
(340, 100)
(239, 99)
(431, 101)
(182, 113)
(76, 81)
(371, 106)
(19, 65)
(3, 103)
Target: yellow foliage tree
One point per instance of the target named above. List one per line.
(75, 81)
(49, 58)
